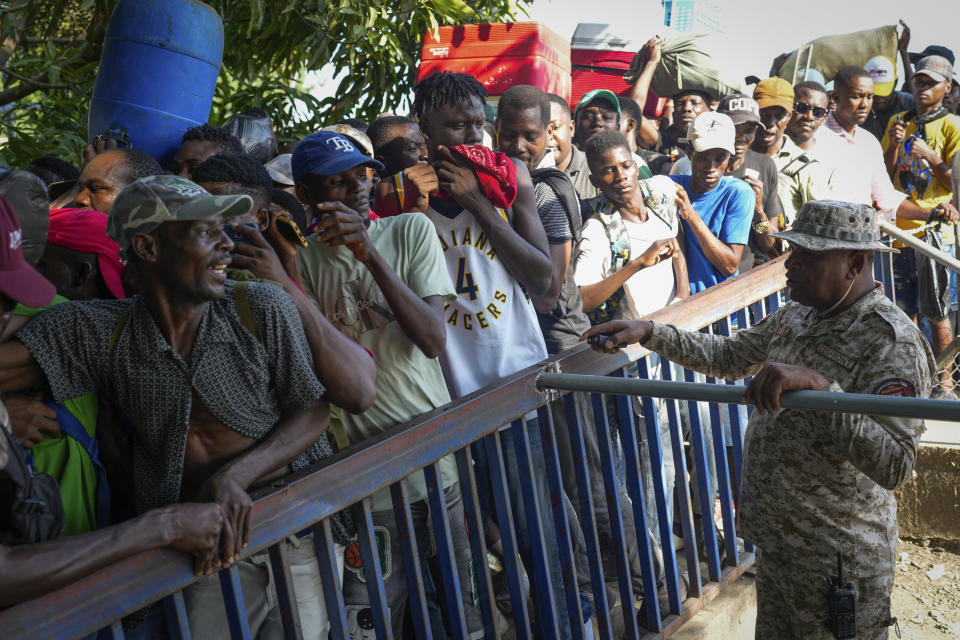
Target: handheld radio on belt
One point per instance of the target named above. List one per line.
(842, 599)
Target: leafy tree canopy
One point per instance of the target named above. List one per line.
(50, 50)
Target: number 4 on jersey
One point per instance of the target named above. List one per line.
(465, 281)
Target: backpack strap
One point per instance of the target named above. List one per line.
(563, 188)
(796, 165)
(242, 300)
(73, 428)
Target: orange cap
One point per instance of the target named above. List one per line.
(774, 92)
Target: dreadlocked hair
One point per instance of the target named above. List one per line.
(244, 171)
(603, 141)
(445, 87)
(289, 203)
(226, 142)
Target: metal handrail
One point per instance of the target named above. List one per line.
(299, 500)
(920, 246)
(948, 410)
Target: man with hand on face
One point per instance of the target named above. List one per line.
(383, 283)
(268, 250)
(219, 392)
(838, 333)
(716, 209)
(406, 179)
(919, 148)
(496, 255)
(757, 170)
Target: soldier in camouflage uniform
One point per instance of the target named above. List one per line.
(817, 482)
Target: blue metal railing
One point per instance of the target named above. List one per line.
(467, 429)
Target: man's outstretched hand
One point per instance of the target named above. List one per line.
(621, 332)
(775, 378)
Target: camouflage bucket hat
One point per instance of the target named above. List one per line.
(822, 225)
(145, 204)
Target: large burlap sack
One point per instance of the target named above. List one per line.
(832, 53)
(684, 66)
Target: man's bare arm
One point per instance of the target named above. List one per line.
(344, 367)
(420, 318)
(18, 369)
(560, 259)
(228, 486)
(724, 257)
(523, 246)
(32, 570)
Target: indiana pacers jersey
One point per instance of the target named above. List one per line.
(492, 328)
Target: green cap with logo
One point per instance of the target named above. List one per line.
(599, 94)
(823, 225)
(147, 203)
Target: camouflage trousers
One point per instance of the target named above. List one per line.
(792, 599)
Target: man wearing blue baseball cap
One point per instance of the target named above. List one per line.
(383, 283)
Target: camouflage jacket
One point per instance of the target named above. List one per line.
(815, 482)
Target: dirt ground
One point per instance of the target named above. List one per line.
(926, 595)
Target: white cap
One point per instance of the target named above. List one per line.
(883, 73)
(712, 130)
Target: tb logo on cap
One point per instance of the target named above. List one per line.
(341, 144)
(16, 238)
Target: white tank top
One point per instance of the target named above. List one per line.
(492, 328)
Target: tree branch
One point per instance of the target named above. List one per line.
(36, 81)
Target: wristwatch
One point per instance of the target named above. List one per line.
(762, 227)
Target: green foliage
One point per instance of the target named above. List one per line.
(269, 46)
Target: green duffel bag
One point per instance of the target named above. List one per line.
(829, 54)
(684, 66)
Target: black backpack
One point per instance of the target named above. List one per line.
(30, 502)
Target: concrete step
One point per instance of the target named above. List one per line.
(732, 615)
(928, 505)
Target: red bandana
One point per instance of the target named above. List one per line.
(496, 174)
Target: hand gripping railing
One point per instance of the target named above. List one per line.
(471, 428)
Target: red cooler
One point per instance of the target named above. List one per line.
(599, 59)
(500, 56)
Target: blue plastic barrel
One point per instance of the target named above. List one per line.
(157, 73)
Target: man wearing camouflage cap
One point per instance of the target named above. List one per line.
(817, 482)
(218, 388)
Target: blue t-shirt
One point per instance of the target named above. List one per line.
(728, 211)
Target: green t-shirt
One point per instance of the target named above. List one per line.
(66, 460)
(408, 383)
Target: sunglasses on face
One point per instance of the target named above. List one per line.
(804, 108)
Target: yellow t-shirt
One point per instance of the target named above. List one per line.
(915, 178)
(408, 383)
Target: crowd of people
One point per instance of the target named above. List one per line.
(174, 337)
